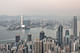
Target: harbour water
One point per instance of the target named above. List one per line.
(6, 35)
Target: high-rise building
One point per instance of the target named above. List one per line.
(79, 50)
(79, 38)
(78, 28)
(37, 46)
(22, 25)
(67, 37)
(48, 45)
(17, 38)
(75, 26)
(70, 45)
(67, 33)
(29, 38)
(60, 35)
(42, 35)
(21, 20)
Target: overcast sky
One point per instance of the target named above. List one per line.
(40, 7)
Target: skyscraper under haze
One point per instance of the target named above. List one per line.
(37, 46)
(22, 25)
(75, 26)
(60, 35)
(17, 38)
(67, 37)
(29, 37)
(42, 35)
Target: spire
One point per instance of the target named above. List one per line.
(21, 20)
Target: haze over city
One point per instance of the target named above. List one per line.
(40, 7)
(39, 26)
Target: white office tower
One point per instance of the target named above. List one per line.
(37, 46)
(21, 20)
(48, 45)
(75, 47)
(22, 25)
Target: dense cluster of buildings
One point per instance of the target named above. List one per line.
(62, 44)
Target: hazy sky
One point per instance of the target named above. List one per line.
(40, 7)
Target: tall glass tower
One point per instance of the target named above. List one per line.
(67, 37)
(75, 26)
(60, 35)
(42, 35)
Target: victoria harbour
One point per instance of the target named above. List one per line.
(39, 26)
(10, 35)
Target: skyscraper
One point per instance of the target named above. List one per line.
(79, 38)
(75, 26)
(79, 50)
(67, 33)
(42, 35)
(21, 20)
(60, 35)
(29, 38)
(67, 37)
(37, 46)
(48, 45)
(17, 38)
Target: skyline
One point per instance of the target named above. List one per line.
(40, 7)
(39, 26)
